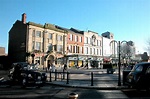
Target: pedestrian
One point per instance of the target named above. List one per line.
(76, 66)
(86, 66)
(65, 67)
(17, 71)
(53, 67)
(48, 68)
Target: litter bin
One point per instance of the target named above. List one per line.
(125, 73)
(109, 68)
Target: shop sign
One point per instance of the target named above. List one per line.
(72, 58)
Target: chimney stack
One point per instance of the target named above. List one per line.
(24, 18)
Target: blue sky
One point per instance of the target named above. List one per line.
(126, 19)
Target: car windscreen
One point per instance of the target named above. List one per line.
(32, 67)
(137, 67)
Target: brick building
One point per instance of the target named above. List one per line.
(36, 43)
(2, 51)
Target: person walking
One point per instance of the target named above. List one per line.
(53, 67)
(48, 68)
(65, 67)
(86, 66)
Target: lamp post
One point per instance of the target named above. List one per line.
(77, 60)
(33, 55)
(77, 53)
(65, 45)
(119, 62)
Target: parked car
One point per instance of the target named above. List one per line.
(26, 74)
(139, 76)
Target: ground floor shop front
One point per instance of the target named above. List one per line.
(70, 60)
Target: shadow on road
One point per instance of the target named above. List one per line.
(135, 93)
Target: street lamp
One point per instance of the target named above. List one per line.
(119, 63)
(33, 55)
(77, 60)
(77, 53)
(65, 44)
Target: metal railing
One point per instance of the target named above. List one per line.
(65, 76)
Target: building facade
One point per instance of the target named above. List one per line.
(4, 61)
(109, 49)
(93, 48)
(2, 51)
(36, 43)
(75, 47)
(52, 44)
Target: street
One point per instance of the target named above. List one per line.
(56, 92)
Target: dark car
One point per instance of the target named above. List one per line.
(26, 74)
(139, 77)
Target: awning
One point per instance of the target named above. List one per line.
(106, 59)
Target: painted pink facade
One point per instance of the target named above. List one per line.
(75, 43)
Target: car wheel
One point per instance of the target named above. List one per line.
(24, 81)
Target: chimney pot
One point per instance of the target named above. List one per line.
(24, 18)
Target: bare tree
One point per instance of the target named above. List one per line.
(145, 57)
(127, 51)
(148, 45)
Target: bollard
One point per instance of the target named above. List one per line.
(55, 75)
(91, 78)
(73, 96)
(50, 78)
(67, 78)
(63, 74)
(59, 75)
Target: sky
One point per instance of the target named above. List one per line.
(126, 19)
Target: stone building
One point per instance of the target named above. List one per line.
(4, 61)
(75, 47)
(2, 51)
(52, 44)
(93, 48)
(36, 43)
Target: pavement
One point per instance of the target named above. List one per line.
(81, 78)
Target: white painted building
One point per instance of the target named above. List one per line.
(92, 44)
(109, 48)
(106, 47)
(93, 47)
